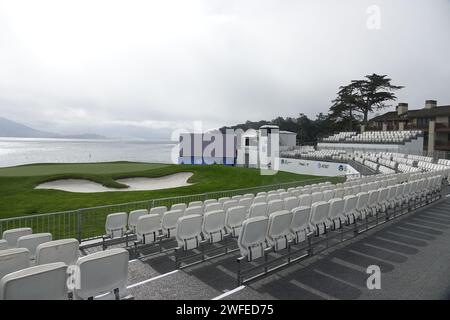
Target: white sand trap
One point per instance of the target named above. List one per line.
(135, 184)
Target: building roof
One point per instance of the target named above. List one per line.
(433, 112)
(287, 132)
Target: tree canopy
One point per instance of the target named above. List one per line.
(351, 108)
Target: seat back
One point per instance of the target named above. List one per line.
(300, 223)
(64, 250)
(246, 202)
(328, 195)
(258, 209)
(274, 205)
(209, 201)
(214, 225)
(169, 221)
(336, 208)
(179, 206)
(193, 210)
(237, 197)
(116, 224)
(273, 197)
(373, 197)
(252, 238)
(284, 195)
(259, 199)
(290, 203)
(400, 189)
(316, 197)
(234, 218)
(339, 193)
(383, 195)
(147, 228)
(228, 204)
(12, 235)
(32, 241)
(158, 210)
(213, 207)
(363, 200)
(13, 260)
(319, 212)
(43, 282)
(103, 272)
(195, 204)
(392, 191)
(278, 229)
(350, 203)
(188, 231)
(305, 200)
(348, 191)
(133, 218)
(223, 199)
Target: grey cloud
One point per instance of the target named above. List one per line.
(141, 68)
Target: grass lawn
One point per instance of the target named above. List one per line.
(19, 198)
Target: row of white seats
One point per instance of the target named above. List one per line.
(261, 232)
(215, 224)
(100, 275)
(339, 137)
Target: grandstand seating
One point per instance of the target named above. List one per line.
(266, 221)
(340, 137)
(374, 137)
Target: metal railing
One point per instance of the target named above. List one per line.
(89, 223)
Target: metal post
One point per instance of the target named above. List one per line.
(79, 225)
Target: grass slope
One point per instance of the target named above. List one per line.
(18, 196)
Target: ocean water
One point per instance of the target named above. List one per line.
(19, 151)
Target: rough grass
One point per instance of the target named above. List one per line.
(18, 196)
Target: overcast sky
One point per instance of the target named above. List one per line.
(146, 67)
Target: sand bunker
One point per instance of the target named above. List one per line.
(134, 184)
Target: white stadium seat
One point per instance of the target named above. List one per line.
(259, 199)
(252, 238)
(229, 204)
(213, 207)
(147, 229)
(234, 218)
(319, 216)
(305, 200)
(290, 203)
(195, 204)
(103, 275)
(193, 210)
(179, 206)
(223, 200)
(133, 218)
(188, 231)
(12, 235)
(316, 197)
(64, 250)
(116, 224)
(43, 282)
(336, 213)
(274, 206)
(169, 222)
(213, 227)
(300, 223)
(246, 203)
(32, 241)
(158, 210)
(278, 230)
(257, 210)
(13, 260)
